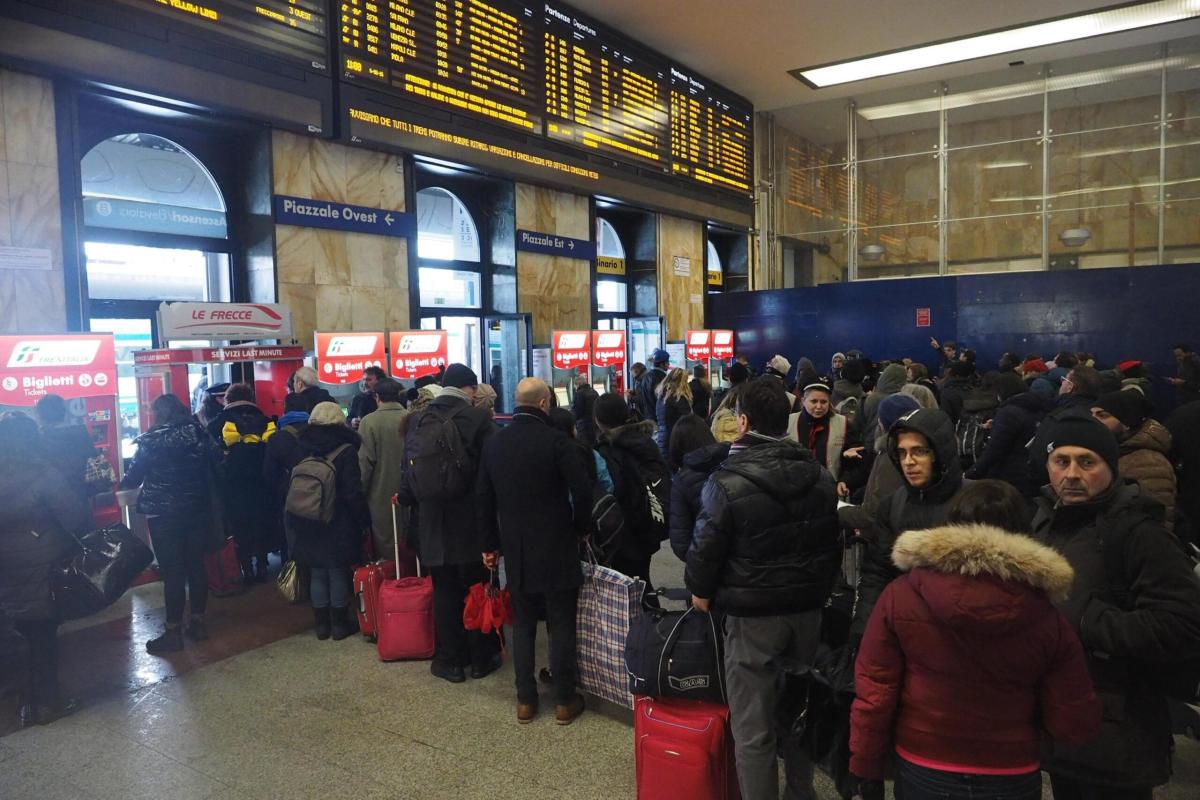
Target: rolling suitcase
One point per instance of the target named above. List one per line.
(405, 612)
(367, 580)
(683, 748)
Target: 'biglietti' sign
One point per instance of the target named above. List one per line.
(342, 357)
(699, 348)
(224, 321)
(69, 365)
(415, 354)
(722, 345)
(553, 245)
(570, 349)
(343, 217)
(608, 348)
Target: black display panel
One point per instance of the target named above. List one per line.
(296, 31)
(712, 133)
(603, 93)
(478, 57)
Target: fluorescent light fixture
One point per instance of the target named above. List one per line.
(1013, 91)
(1115, 19)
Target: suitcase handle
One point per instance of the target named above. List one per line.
(396, 540)
(674, 635)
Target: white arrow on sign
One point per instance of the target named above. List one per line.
(388, 218)
(571, 245)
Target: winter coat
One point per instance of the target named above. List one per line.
(686, 487)
(724, 426)
(702, 397)
(381, 462)
(645, 398)
(40, 515)
(1004, 456)
(67, 448)
(628, 450)
(766, 541)
(364, 403)
(954, 391)
(243, 484)
(313, 395)
(907, 508)
(891, 380)
(585, 415)
(884, 479)
(834, 436)
(282, 454)
(1184, 425)
(1145, 460)
(534, 498)
(176, 466)
(1128, 642)
(966, 660)
(843, 389)
(667, 413)
(447, 533)
(337, 543)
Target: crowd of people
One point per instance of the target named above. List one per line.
(1023, 597)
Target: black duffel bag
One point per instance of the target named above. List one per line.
(676, 654)
(94, 578)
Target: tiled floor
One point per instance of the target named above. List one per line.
(267, 711)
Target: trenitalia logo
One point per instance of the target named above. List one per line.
(420, 343)
(571, 341)
(351, 346)
(50, 353)
(723, 337)
(698, 337)
(609, 341)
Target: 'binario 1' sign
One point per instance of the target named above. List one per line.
(570, 349)
(608, 348)
(342, 357)
(69, 365)
(415, 354)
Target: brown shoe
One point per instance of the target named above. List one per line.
(565, 715)
(526, 712)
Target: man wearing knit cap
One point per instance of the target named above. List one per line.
(779, 367)
(1135, 605)
(448, 538)
(1144, 445)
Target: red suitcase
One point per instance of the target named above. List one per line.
(683, 748)
(224, 573)
(405, 612)
(367, 580)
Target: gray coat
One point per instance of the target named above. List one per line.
(381, 461)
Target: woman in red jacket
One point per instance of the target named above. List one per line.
(966, 663)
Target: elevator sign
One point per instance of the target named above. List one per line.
(608, 348)
(570, 349)
(342, 357)
(415, 354)
(71, 366)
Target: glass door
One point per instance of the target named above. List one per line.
(645, 335)
(508, 356)
(463, 341)
(133, 329)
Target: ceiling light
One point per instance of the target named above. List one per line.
(872, 252)
(1075, 237)
(1025, 37)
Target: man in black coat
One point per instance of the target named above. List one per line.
(1135, 605)
(534, 496)
(306, 384)
(447, 529)
(766, 551)
(67, 446)
(584, 409)
(364, 402)
(1004, 456)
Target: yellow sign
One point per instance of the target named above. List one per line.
(716, 279)
(606, 265)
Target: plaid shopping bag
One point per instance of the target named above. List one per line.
(608, 603)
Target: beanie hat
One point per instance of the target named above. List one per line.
(1128, 407)
(894, 406)
(459, 376)
(326, 413)
(739, 373)
(779, 364)
(1079, 431)
(611, 410)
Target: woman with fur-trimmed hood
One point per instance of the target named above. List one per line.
(966, 661)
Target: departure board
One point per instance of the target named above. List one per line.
(712, 133)
(292, 30)
(601, 93)
(481, 57)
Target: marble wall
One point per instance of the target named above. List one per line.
(555, 290)
(29, 204)
(333, 280)
(681, 297)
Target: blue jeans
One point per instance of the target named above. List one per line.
(330, 586)
(922, 783)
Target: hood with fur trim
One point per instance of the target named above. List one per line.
(980, 576)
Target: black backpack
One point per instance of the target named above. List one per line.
(608, 525)
(648, 498)
(971, 436)
(439, 467)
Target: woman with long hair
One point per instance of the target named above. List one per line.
(674, 402)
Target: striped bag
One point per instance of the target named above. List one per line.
(608, 604)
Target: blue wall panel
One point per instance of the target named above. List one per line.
(1117, 314)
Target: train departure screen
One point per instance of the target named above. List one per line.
(712, 133)
(480, 57)
(603, 94)
(294, 30)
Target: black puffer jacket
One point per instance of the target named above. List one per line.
(244, 484)
(766, 542)
(174, 465)
(686, 486)
(40, 513)
(1004, 456)
(338, 543)
(907, 508)
(1128, 637)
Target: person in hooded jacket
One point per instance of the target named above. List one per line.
(330, 550)
(891, 380)
(883, 477)
(1144, 445)
(765, 553)
(584, 409)
(41, 515)
(175, 464)
(282, 454)
(692, 457)
(921, 446)
(835, 368)
(966, 661)
(1004, 456)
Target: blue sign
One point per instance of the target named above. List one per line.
(343, 217)
(553, 245)
(131, 215)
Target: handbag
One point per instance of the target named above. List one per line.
(293, 583)
(99, 475)
(676, 654)
(94, 578)
(609, 602)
